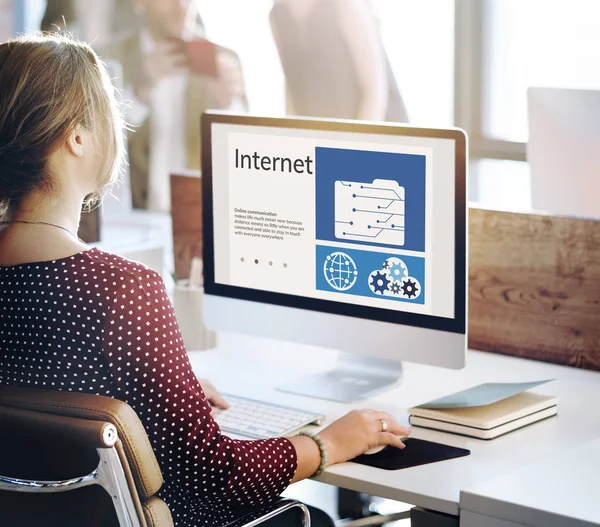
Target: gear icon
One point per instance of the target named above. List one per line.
(410, 287)
(395, 288)
(379, 282)
(386, 265)
(398, 269)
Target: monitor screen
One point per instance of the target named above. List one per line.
(352, 219)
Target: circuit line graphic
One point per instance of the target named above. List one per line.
(370, 211)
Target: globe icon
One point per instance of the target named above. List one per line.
(340, 271)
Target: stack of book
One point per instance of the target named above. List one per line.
(486, 411)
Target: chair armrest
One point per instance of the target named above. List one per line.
(271, 511)
(59, 428)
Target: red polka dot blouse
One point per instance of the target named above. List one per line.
(98, 323)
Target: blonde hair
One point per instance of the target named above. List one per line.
(49, 84)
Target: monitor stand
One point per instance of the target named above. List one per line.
(354, 378)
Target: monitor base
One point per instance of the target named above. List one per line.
(354, 378)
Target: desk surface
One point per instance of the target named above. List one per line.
(253, 367)
(561, 489)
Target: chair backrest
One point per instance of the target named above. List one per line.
(53, 442)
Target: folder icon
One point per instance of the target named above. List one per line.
(370, 212)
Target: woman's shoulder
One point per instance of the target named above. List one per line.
(128, 286)
(115, 261)
(114, 268)
(90, 279)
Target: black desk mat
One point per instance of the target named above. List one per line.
(417, 452)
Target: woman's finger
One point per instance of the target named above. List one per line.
(218, 400)
(391, 424)
(212, 395)
(392, 440)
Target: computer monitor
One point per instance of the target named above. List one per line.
(339, 234)
(563, 151)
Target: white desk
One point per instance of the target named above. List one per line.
(253, 367)
(561, 490)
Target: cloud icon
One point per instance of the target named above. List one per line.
(393, 280)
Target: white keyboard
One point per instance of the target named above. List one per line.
(261, 420)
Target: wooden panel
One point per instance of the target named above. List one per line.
(534, 287)
(186, 210)
(89, 227)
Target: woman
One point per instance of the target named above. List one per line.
(79, 319)
(334, 61)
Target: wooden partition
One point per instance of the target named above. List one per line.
(89, 227)
(186, 210)
(534, 280)
(534, 287)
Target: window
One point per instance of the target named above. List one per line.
(418, 38)
(506, 46)
(28, 15)
(244, 26)
(535, 43)
(6, 20)
(502, 48)
(466, 63)
(500, 184)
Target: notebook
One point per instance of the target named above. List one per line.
(466, 415)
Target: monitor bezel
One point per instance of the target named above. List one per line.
(453, 325)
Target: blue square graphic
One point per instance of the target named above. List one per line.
(371, 274)
(370, 198)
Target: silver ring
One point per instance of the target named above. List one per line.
(383, 425)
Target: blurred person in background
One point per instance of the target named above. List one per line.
(168, 90)
(334, 61)
(59, 15)
(6, 19)
(97, 23)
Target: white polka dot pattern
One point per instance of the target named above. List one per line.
(98, 323)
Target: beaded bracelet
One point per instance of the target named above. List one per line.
(322, 450)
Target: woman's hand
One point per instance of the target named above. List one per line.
(359, 431)
(213, 396)
(229, 82)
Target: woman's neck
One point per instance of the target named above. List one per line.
(28, 237)
(63, 209)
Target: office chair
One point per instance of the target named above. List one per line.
(79, 459)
